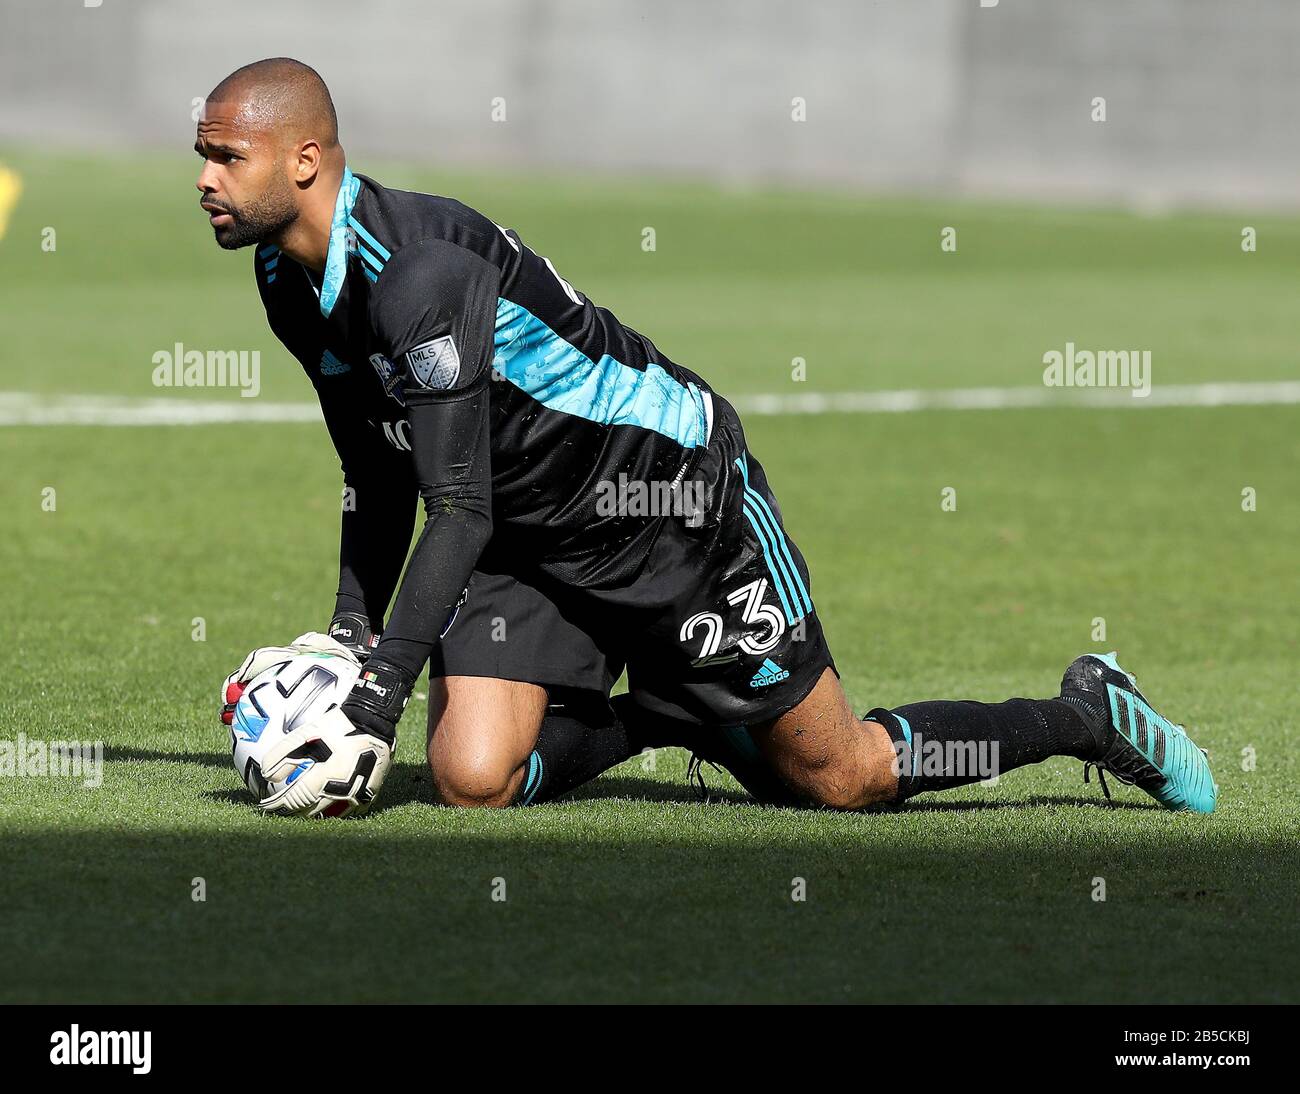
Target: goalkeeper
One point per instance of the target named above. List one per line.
(455, 366)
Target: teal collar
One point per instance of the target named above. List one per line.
(336, 258)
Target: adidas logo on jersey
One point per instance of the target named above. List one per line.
(332, 366)
(770, 673)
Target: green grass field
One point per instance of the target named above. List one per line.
(634, 889)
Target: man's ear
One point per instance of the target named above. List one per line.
(308, 163)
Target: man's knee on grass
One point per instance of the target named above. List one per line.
(483, 778)
(481, 732)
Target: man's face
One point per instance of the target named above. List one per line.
(247, 190)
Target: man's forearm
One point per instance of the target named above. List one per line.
(451, 463)
(454, 536)
(449, 547)
(377, 522)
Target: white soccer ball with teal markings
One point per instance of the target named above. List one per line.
(293, 747)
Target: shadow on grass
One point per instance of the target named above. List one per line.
(931, 803)
(113, 754)
(545, 905)
(409, 783)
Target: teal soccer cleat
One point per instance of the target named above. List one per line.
(1146, 749)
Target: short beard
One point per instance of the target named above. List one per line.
(263, 217)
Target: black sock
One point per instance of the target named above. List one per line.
(731, 748)
(941, 743)
(580, 738)
(648, 730)
(947, 743)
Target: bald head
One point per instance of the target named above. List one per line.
(272, 160)
(282, 96)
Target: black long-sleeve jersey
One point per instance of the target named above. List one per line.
(454, 363)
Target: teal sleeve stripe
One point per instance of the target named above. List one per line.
(783, 559)
(561, 377)
(375, 245)
(368, 258)
(797, 579)
(777, 580)
(771, 553)
(797, 588)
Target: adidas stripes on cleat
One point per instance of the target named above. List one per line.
(1146, 749)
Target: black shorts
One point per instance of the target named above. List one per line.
(507, 630)
(717, 627)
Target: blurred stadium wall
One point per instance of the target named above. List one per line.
(1201, 95)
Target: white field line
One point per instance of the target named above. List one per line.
(23, 408)
(1005, 398)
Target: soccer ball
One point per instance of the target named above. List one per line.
(283, 699)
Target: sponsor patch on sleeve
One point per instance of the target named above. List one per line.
(389, 376)
(434, 364)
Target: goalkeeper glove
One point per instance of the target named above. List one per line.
(353, 633)
(262, 659)
(378, 698)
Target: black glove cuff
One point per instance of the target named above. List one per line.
(352, 631)
(378, 698)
